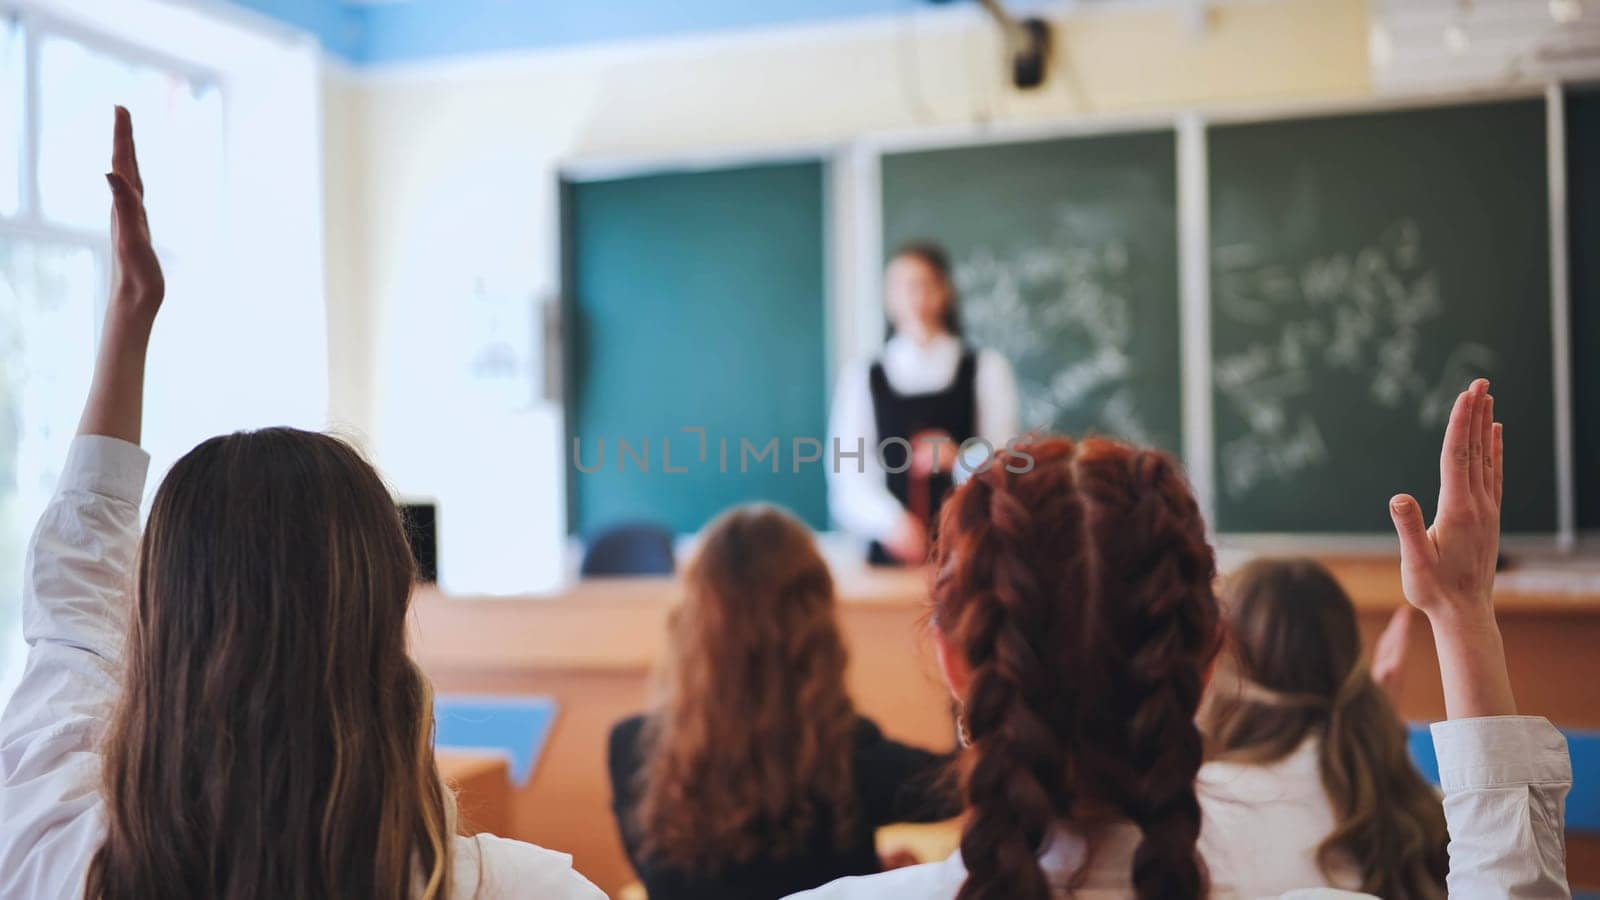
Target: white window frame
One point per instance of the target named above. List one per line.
(29, 222)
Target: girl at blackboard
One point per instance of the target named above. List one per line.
(1075, 624)
(1310, 780)
(753, 776)
(928, 389)
(223, 708)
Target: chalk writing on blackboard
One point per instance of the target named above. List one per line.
(1061, 311)
(1354, 318)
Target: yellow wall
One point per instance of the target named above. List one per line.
(443, 177)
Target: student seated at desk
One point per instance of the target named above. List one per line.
(753, 776)
(1075, 622)
(1310, 781)
(223, 708)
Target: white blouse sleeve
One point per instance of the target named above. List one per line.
(74, 619)
(1505, 781)
(858, 493)
(995, 396)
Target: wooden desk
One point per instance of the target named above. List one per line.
(593, 645)
(482, 782)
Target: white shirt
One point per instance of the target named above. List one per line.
(1105, 879)
(1505, 782)
(75, 612)
(1263, 823)
(858, 494)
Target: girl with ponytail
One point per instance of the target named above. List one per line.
(1074, 621)
(1310, 781)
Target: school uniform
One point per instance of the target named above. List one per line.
(911, 387)
(76, 609)
(1505, 780)
(1263, 823)
(894, 783)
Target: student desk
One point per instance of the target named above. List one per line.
(593, 645)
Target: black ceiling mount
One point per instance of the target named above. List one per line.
(1027, 42)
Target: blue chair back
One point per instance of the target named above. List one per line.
(632, 548)
(1583, 803)
(514, 726)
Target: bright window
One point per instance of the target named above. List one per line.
(59, 87)
(12, 87)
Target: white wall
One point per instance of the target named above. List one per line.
(443, 176)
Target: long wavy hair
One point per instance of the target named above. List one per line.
(1294, 672)
(1075, 581)
(273, 739)
(748, 747)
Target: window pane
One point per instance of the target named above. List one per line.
(12, 91)
(48, 296)
(179, 129)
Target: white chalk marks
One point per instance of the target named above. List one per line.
(1349, 320)
(1063, 312)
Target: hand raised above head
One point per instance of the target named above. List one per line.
(138, 285)
(115, 406)
(1447, 569)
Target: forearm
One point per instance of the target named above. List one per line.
(115, 406)
(1472, 665)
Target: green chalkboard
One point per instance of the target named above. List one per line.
(1363, 268)
(694, 300)
(1583, 192)
(1066, 260)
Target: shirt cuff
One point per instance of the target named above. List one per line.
(1500, 751)
(106, 466)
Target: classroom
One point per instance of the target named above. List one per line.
(823, 448)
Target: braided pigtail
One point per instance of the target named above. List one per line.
(1077, 588)
(1155, 577)
(1015, 780)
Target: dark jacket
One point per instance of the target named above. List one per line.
(894, 783)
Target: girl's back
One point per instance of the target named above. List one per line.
(1309, 780)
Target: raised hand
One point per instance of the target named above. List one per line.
(137, 284)
(1447, 569)
(1390, 651)
(115, 407)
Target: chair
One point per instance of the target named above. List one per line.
(631, 548)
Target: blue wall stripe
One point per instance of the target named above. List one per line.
(417, 30)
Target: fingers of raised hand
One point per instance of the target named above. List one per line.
(1456, 454)
(1485, 443)
(1417, 551)
(124, 159)
(1498, 454)
(124, 200)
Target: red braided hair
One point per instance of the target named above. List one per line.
(1079, 592)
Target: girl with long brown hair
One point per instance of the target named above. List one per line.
(1076, 625)
(1310, 780)
(753, 776)
(224, 709)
